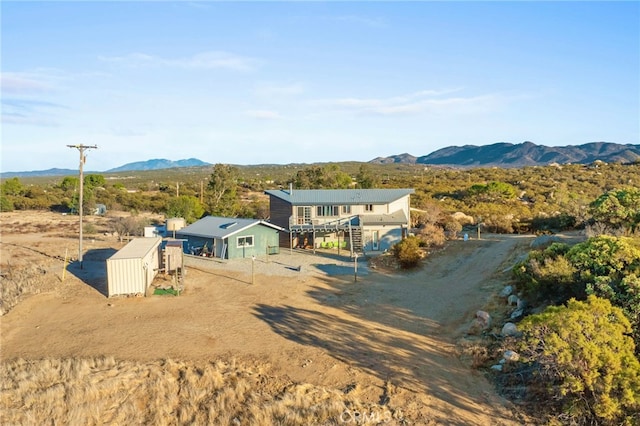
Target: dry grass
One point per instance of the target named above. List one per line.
(19, 282)
(106, 391)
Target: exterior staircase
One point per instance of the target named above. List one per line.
(355, 240)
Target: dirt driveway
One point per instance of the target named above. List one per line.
(390, 334)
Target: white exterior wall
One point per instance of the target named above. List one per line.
(400, 204)
(132, 269)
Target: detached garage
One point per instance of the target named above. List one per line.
(132, 269)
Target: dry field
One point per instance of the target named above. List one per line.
(295, 348)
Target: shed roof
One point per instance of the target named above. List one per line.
(298, 197)
(137, 248)
(222, 227)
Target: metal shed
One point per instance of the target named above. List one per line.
(132, 269)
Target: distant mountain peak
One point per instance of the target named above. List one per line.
(158, 164)
(505, 154)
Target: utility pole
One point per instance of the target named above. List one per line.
(83, 158)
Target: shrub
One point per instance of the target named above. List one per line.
(6, 205)
(431, 235)
(547, 274)
(584, 362)
(407, 252)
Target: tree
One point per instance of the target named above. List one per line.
(125, 226)
(69, 183)
(222, 194)
(366, 178)
(619, 208)
(94, 181)
(185, 206)
(492, 192)
(583, 360)
(12, 187)
(327, 177)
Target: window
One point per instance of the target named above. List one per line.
(346, 209)
(368, 207)
(303, 215)
(327, 211)
(246, 241)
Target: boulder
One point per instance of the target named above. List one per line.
(513, 300)
(518, 313)
(544, 241)
(509, 329)
(506, 291)
(510, 356)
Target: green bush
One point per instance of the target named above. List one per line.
(407, 252)
(6, 205)
(548, 275)
(583, 362)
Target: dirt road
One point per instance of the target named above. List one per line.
(391, 336)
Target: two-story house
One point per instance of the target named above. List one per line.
(360, 220)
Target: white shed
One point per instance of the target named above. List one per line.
(132, 269)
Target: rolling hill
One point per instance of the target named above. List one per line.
(518, 155)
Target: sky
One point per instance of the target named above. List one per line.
(303, 82)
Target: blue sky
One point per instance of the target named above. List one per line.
(304, 82)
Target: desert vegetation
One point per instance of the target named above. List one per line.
(528, 199)
(578, 335)
(580, 345)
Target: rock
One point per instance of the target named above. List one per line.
(497, 367)
(517, 313)
(513, 300)
(463, 219)
(510, 356)
(506, 291)
(544, 241)
(484, 319)
(509, 329)
(521, 304)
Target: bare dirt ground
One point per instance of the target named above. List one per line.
(391, 335)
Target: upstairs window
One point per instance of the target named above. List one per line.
(368, 207)
(346, 209)
(327, 211)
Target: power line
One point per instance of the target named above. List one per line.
(83, 159)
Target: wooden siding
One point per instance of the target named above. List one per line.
(279, 213)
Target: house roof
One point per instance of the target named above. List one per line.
(305, 197)
(222, 227)
(396, 218)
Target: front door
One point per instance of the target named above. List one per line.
(375, 240)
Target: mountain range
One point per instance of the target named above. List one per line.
(519, 155)
(155, 164)
(495, 155)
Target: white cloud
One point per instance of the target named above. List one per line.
(203, 60)
(263, 114)
(433, 101)
(271, 89)
(29, 112)
(21, 83)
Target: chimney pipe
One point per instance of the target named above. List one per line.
(290, 188)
